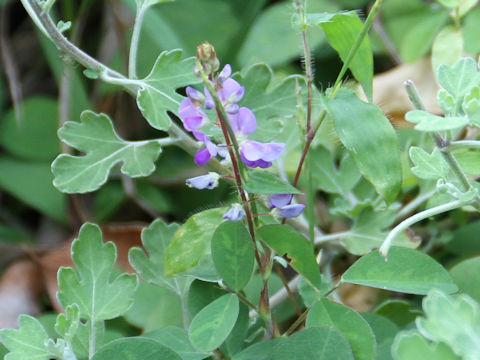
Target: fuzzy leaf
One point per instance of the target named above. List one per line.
(447, 47)
(158, 94)
(28, 342)
(452, 320)
(95, 136)
(429, 122)
(428, 166)
(67, 324)
(413, 346)
(91, 285)
(458, 79)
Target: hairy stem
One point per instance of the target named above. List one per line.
(137, 29)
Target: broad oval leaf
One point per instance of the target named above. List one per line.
(407, 270)
(135, 348)
(265, 183)
(447, 47)
(285, 240)
(91, 285)
(355, 329)
(466, 275)
(370, 139)
(191, 242)
(233, 254)
(211, 326)
(95, 136)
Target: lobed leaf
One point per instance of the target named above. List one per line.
(458, 79)
(412, 346)
(95, 136)
(428, 166)
(91, 285)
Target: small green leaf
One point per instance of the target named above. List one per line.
(67, 324)
(135, 348)
(465, 275)
(429, 122)
(452, 320)
(211, 326)
(370, 139)
(191, 242)
(28, 342)
(233, 254)
(104, 148)
(64, 26)
(91, 286)
(412, 346)
(158, 94)
(342, 31)
(265, 183)
(401, 312)
(355, 329)
(447, 47)
(407, 270)
(458, 79)
(428, 166)
(155, 240)
(286, 241)
(91, 74)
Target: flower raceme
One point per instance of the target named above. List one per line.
(242, 121)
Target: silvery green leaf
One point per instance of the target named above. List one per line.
(64, 26)
(429, 122)
(67, 323)
(459, 78)
(428, 166)
(447, 47)
(471, 105)
(454, 320)
(92, 285)
(412, 346)
(446, 102)
(95, 136)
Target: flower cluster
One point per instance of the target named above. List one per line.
(241, 119)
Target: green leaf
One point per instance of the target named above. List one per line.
(428, 122)
(384, 331)
(465, 275)
(177, 340)
(265, 183)
(158, 95)
(342, 31)
(155, 240)
(236, 338)
(286, 241)
(31, 182)
(330, 179)
(28, 342)
(355, 329)
(108, 199)
(211, 326)
(191, 241)
(458, 79)
(315, 343)
(407, 270)
(91, 286)
(469, 160)
(34, 137)
(104, 148)
(447, 47)
(233, 254)
(260, 350)
(450, 3)
(398, 311)
(371, 141)
(412, 346)
(428, 166)
(135, 348)
(66, 325)
(452, 320)
(368, 232)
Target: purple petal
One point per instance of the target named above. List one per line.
(208, 181)
(193, 122)
(211, 147)
(263, 164)
(200, 136)
(231, 91)
(231, 108)
(252, 150)
(280, 200)
(209, 103)
(235, 213)
(202, 157)
(256, 163)
(273, 151)
(225, 73)
(291, 211)
(194, 95)
(188, 109)
(246, 121)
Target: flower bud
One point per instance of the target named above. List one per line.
(235, 213)
(208, 58)
(208, 181)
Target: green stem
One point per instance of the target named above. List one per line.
(465, 143)
(356, 45)
(137, 29)
(404, 225)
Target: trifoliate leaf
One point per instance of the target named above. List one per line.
(91, 285)
(452, 320)
(429, 122)
(158, 95)
(428, 166)
(155, 240)
(28, 342)
(95, 136)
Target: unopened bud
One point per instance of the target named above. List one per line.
(208, 58)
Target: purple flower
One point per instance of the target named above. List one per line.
(208, 181)
(230, 93)
(257, 154)
(210, 150)
(193, 117)
(225, 73)
(280, 203)
(235, 213)
(243, 122)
